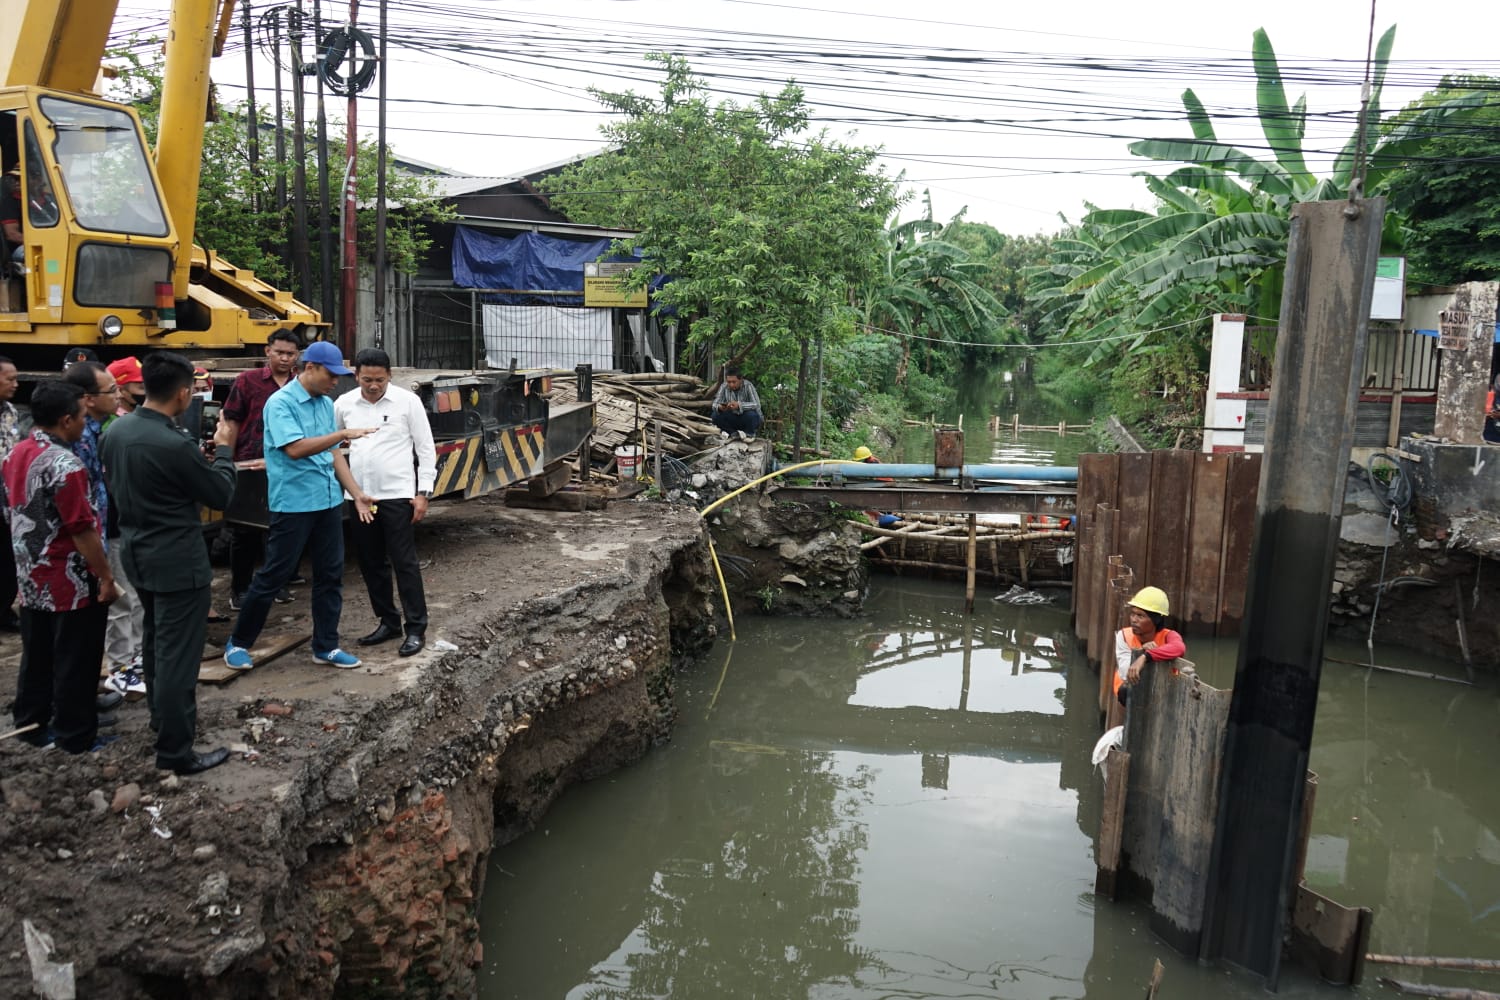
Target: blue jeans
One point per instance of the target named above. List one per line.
(321, 534)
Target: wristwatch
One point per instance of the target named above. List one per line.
(425, 494)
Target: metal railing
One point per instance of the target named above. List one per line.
(1391, 352)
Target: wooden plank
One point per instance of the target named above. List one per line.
(1198, 612)
(1083, 600)
(552, 479)
(1171, 508)
(1111, 822)
(570, 500)
(1239, 533)
(211, 672)
(1106, 524)
(1096, 485)
(1134, 502)
(1197, 716)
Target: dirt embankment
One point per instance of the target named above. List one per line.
(342, 850)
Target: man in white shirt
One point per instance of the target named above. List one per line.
(397, 467)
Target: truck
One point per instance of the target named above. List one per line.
(105, 257)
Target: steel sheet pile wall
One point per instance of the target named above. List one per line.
(1175, 742)
(1182, 521)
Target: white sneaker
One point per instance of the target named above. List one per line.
(127, 681)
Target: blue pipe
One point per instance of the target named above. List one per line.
(864, 470)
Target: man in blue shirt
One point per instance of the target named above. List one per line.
(306, 476)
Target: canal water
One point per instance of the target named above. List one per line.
(902, 806)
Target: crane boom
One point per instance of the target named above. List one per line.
(56, 44)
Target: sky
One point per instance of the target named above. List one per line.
(1018, 113)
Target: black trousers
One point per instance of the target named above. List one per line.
(8, 586)
(389, 543)
(176, 623)
(247, 546)
(61, 652)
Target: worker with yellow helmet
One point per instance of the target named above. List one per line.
(863, 454)
(1145, 639)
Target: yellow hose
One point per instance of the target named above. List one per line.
(713, 553)
(723, 587)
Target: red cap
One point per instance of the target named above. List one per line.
(126, 371)
(200, 372)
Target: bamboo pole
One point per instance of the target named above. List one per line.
(1398, 670)
(969, 562)
(20, 732)
(1443, 992)
(1438, 962)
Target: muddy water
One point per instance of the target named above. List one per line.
(902, 806)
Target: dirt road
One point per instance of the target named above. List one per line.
(344, 841)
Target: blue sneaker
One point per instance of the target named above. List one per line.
(337, 658)
(237, 657)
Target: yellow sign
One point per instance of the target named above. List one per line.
(608, 292)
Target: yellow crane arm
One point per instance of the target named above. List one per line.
(53, 43)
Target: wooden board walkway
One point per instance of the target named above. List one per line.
(214, 671)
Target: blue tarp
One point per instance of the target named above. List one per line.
(527, 262)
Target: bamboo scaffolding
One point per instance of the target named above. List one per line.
(937, 536)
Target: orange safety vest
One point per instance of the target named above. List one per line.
(1134, 642)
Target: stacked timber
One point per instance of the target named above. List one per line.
(1005, 551)
(629, 408)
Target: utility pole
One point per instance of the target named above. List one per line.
(252, 121)
(299, 159)
(280, 121)
(325, 208)
(1320, 352)
(350, 304)
(380, 262)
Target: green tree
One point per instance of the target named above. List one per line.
(763, 227)
(1449, 194)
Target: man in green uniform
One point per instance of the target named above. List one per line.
(157, 475)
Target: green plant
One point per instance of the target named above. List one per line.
(767, 596)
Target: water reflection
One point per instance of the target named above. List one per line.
(902, 806)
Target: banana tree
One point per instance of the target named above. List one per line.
(1222, 221)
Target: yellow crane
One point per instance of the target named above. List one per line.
(103, 254)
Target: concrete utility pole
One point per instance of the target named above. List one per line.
(1320, 352)
(1466, 336)
(349, 299)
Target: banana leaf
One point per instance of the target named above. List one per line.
(1276, 119)
(1269, 177)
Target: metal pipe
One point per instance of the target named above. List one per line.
(865, 470)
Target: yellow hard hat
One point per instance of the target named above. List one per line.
(1152, 599)
(861, 453)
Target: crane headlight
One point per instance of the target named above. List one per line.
(111, 326)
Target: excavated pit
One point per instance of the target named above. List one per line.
(342, 851)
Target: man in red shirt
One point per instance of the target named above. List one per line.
(247, 399)
(63, 573)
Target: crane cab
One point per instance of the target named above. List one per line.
(95, 241)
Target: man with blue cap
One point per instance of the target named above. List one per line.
(306, 476)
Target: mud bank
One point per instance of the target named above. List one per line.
(342, 851)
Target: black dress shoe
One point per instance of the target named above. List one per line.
(382, 633)
(197, 763)
(411, 645)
